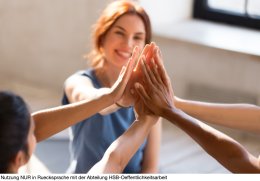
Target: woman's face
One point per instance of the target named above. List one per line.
(119, 42)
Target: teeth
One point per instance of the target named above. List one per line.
(124, 54)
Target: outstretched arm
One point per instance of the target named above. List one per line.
(240, 116)
(159, 99)
(54, 120)
(228, 152)
(78, 88)
(123, 148)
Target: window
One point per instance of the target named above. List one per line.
(237, 12)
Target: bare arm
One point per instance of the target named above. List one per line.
(51, 121)
(224, 149)
(78, 88)
(152, 149)
(240, 116)
(122, 149)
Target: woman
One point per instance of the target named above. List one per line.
(158, 96)
(122, 26)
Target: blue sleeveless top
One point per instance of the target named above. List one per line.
(92, 137)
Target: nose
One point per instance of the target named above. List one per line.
(130, 43)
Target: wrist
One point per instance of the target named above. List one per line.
(176, 101)
(119, 105)
(170, 113)
(148, 119)
(109, 97)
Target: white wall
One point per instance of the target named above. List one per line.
(43, 42)
(231, 75)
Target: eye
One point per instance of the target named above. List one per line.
(119, 33)
(139, 38)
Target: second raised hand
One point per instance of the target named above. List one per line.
(119, 86)
(154, 92)
(127, 99)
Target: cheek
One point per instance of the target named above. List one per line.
(109, 45)
(141, 44)
(32, 144)
(111, 39)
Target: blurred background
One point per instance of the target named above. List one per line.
(43, 42)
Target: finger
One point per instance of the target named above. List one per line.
(126, 71)
(161, 68)
(135, 55)
(144, 52)
(141, 92)
(123, 69)
(146, 74)
(156, 73)
(132, 61)
(122, 73)
(150, 51)
(150, 73)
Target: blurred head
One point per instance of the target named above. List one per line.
(122, 25)
(17, 141)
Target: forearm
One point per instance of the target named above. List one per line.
(51, 121)
(151, 152)
(94, 94)
(122, 149)
(110, 109)
(224, 149)
(240, 116)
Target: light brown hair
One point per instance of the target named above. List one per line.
(107, 19)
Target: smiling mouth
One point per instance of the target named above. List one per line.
(124, 54)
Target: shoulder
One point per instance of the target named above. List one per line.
(81, 75)
(81, 78)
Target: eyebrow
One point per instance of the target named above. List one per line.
(121, 28)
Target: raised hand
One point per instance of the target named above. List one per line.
(128, 99)
(119, 86)
(156, 90)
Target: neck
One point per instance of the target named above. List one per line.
(12, 169)
(107, 74)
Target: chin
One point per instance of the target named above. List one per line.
(121, 63)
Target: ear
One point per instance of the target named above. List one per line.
(19, 160)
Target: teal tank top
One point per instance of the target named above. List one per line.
(91, 137)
